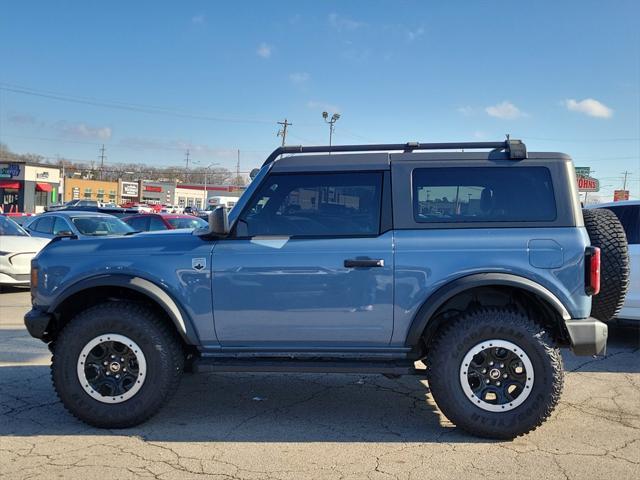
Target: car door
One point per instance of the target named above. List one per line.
(310, 264)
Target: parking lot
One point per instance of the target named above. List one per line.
(312, 426)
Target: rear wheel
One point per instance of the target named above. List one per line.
(494, 373)
(115, 364)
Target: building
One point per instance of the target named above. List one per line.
(28, 187)
(85, 189)
(157, 193)
(194, 195)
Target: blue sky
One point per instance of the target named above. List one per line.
(149, 79)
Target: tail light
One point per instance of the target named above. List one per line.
(592, 271)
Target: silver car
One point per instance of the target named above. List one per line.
(17, 249)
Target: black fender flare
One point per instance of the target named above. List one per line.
(453, 288)
(148, 288)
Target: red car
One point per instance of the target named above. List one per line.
(19, 218)
(146, 222)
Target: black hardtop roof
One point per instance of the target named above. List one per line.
(377, 156)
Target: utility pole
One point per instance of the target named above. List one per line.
(624, 183)
(187, 158)
(237, 182)
(283, 133)
(101, 160)
(334, 118)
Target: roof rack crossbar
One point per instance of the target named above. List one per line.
(516, 149)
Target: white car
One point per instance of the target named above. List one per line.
(628, 212)
(17, 249)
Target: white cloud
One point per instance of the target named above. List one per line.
(589, 106)
(505, 110)
(414, 34)
(466, 110)
(298, 78)
(323, 107)
(341, 23)
(264, 50)
(198, 19)
(82, 130)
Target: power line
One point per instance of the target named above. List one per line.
(126, 106)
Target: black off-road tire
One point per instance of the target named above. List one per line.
(606, 232)
(455, 339)
(157, 340)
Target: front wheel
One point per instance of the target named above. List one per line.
(115, 364)
(495, 373)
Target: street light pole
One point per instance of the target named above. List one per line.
(334, 118)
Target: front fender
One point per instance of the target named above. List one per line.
(448, 291)
(155, 293)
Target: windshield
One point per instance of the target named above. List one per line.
(96, 226)
(194, 222)
(9, 227)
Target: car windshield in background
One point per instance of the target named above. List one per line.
(97, 226)
(194, 222)
(9, 227)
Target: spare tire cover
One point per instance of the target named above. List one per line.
(606, 232)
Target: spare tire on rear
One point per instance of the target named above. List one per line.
(606, 233)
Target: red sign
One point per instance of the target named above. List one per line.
(619, 195)
(151, 188)
(588, 184)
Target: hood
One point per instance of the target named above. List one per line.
(144, 243)
(21, 244)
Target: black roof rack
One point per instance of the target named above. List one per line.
(516, 149)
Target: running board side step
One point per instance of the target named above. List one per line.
(275, 365)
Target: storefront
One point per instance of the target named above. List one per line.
(157, 193)
(84, 189)
(28, 187)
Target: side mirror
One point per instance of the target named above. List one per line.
(65, 233)
(218, 223)
(254, 173)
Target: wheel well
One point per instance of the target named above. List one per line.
(520, 299)
(84, 299)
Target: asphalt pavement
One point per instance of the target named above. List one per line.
(290, 426)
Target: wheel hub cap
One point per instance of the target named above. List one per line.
(496, 375)
(111, 368)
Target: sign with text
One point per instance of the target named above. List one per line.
(588, 184)
(620, 195)
(10, 171)
(129, 189)
(583, 171)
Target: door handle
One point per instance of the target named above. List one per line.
(365, 263)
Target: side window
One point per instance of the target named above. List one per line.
(60, 225)
(34, 225)
(156, 224)
(483, 194)
(45, 225)
(322, 204)
(140, 224)
(629, 216)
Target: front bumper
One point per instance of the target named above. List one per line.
(37, 322)
(588, 336)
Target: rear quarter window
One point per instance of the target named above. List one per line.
(483, 194)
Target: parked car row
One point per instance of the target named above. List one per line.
(20, 243)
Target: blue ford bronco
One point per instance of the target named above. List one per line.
(345, 259)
